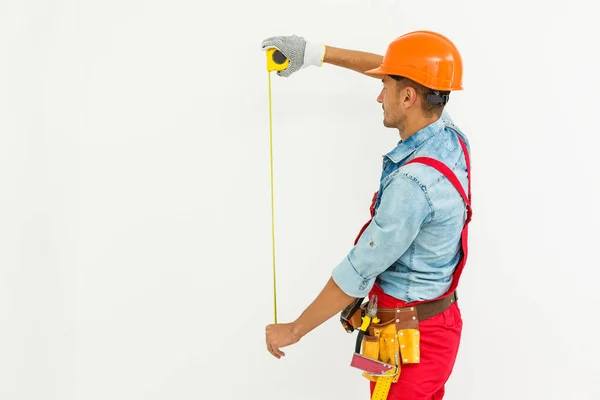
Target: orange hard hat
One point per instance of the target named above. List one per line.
(426, 57)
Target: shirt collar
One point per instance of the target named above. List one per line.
(406, 147)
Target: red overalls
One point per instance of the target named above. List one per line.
(440, 334)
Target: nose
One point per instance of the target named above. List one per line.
(380, 97)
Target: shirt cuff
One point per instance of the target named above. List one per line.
(350, 281)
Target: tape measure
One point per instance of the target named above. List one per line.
(276, 61)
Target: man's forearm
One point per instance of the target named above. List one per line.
(329, 302)
(355, 60)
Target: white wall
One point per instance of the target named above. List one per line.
(135, 236)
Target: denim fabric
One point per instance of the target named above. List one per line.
(412, 245)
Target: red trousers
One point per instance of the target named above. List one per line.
(440, 340)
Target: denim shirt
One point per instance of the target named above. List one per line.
(412, 245)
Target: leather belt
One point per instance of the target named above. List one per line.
(421, 311)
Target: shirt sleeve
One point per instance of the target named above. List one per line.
(403, 208)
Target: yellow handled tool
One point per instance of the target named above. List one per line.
(371, 316)
(276, 61)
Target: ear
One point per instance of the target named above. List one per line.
(409, 96)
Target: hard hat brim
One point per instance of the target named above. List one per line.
(377, 71)
(382, 70)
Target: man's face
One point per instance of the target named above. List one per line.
(390, 100)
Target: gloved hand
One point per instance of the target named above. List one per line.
(299, 51)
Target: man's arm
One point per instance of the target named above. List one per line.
(302, 54)
(329, 302)
(355, 60)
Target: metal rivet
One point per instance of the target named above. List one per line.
(414, 318)
(412, 309)
(417, 346)
(392, 340)
(417, 358)
(402, 346)
(397, 311)
(416, 333)
(401, 333)
(406, 360)
(397, 320)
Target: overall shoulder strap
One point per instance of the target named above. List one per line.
(447, 172)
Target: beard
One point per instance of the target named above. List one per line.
(388, 122)
(393, 122)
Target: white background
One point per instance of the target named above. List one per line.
(135, 230)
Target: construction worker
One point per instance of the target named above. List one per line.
(412, 251)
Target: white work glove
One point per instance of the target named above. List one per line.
(299, 51)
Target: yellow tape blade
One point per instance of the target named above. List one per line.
(276, 61)
(272, 199)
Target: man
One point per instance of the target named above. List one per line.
(413, 250)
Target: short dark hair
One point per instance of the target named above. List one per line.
(432, 101)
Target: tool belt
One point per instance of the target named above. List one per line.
(395, 338)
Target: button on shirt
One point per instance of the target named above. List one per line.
(412, 245)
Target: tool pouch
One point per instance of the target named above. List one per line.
(393, 341)
(381, 343)
(409, 336)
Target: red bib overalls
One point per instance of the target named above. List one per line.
(440, 334)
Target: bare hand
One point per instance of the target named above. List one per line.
(278, 336)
